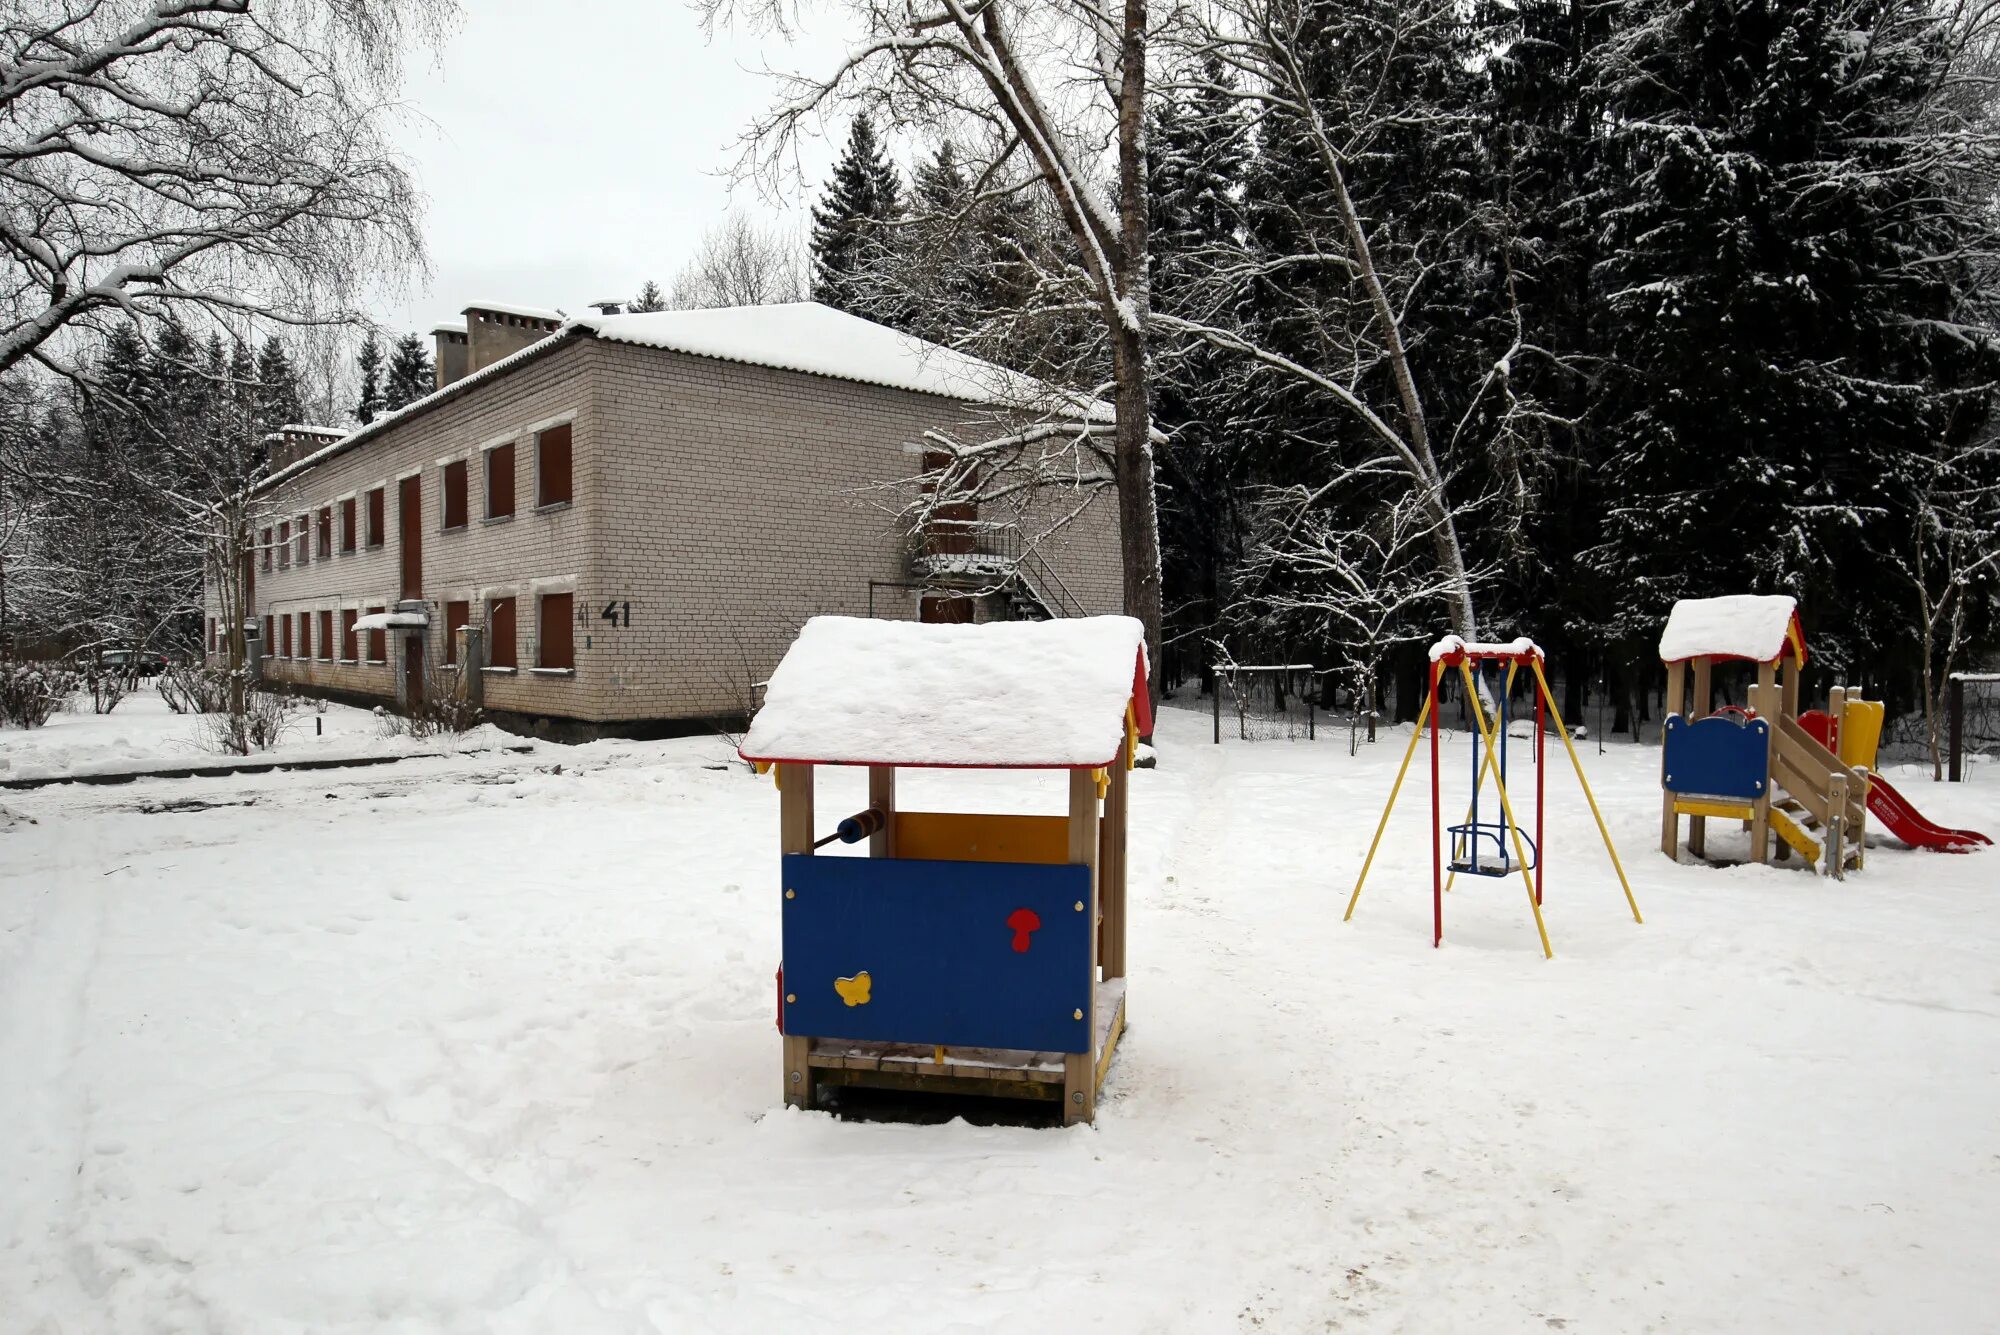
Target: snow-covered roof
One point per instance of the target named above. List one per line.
(448, 327)
(1753, 627)
(1004, 694)
(526, 312)
(301, 429)
(819, 340)
(391, 620)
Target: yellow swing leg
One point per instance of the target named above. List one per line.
(1549, 699)
(1507, 805)
(1423, 715)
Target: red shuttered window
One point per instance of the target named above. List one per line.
(347, 525)
(350, 643)
(500, 651)
(455, 615)
(326, 636)
(454, 494)
(552, 472)
(555, 631)
(500, 482)
(376, 521)
(378, 640)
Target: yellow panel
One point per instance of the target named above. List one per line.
(1861, 733)
(1725, 810)
(967, 837)
(1807, 846)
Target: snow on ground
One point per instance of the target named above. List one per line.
(471, 1044)
(143, 733)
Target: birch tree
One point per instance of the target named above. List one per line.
(1058, 89)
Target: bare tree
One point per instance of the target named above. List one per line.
(741, 264)
(1953, 571)
(217, 158)
(1058, 87)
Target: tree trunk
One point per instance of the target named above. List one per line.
(1138, 511)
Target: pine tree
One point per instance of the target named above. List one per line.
(853, 241)
(410, 375)
(650, 298)
(370, 405)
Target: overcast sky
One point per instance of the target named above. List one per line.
(570, 151)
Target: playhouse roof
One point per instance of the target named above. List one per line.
(1753, 627)
(1004, 694)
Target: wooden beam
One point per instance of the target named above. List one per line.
(1670, 820)
(1111, 867)
(1080, 1068)
(1760, 811)
(795, 835)
(882, 796)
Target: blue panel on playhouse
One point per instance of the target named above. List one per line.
(1716, 757)
(905, 950)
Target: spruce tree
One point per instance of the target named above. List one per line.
(278, 400)
(410, 375)
(650, 298)
(370, 405)
(853, 241)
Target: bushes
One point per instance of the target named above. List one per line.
(194, 688)
(266, 716)
(108, 685)
(444, 712)
(30, 693)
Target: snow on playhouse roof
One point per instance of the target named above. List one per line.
(1752, 627)
(819, 340)
(1003, 694)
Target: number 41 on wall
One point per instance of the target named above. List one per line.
(617, 613)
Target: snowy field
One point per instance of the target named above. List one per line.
(474, 1044)
(142, 733)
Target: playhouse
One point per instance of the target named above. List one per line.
(1799, 783)
(979, 953)
(1497, 844)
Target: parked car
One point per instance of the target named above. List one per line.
(137, 662)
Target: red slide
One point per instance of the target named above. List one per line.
(1904, 821)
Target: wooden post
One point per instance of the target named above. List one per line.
(1760, 810)
(1788, 687)
(1956, 693)
(1700, 701)
(1080, 1068)
(1111, 869)
(795, 835)
(1833, 852)
(1670, 821)
(882, 797)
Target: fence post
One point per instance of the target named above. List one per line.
(1956, 694)
(1215, 705)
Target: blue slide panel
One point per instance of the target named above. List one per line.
(936, 941)
(1716, 757)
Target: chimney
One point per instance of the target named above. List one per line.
(449, 360)
(294, 441)
(494, 331)
(609, 307)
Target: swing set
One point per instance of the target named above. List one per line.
(1496, 848)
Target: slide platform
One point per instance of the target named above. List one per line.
(1904, 821)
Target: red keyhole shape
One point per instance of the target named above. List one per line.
(1023, 921)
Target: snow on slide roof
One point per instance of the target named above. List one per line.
(819, 340)
(1003, 694)
(1754, 627)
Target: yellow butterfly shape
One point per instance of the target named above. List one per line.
(854, 991)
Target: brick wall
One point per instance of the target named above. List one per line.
(717, 505)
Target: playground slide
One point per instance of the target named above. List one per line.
(1904, 821)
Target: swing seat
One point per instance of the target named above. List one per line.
(1470, 855)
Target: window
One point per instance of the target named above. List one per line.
(285, 635)
(265, 543)
(500, 634)
(454, 494)
(284, 546)
(555, 629)
(347, 526)
(305, 635)
(326, 636)
(214, 640)
(500, 482)
(305, 542)
(270, 636)
(378, 640)
(350, 643)
(376, 523)
(552, 466)
(325, 532)
(455, 615)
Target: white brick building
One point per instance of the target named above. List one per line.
(635, 512)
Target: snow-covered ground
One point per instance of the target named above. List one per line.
(142, 733)
(471, 1044)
